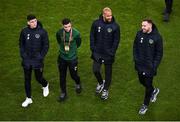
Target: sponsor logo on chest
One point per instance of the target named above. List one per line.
(99, 29)
(141, 41)
(28, 36)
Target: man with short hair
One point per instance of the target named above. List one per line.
(147, 52)
(104, 41)
(34, 44)
(69, 40)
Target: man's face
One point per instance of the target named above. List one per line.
(107, 15)
(67, 27)
(146, 27)
(32, 23)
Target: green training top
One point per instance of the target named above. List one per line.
(74, 44)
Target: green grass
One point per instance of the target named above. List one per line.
(126, 93)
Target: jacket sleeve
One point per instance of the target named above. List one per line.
(92, 37)
(58, 38)
(45, 44)
(22, 45)
(78, 40)
(116, 40)
(135, 48)
(158, 52)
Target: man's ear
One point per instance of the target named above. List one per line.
(103, 15)
(150, 25)
(28, 22)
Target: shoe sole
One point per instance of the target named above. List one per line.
(27, 105)
(104, 98)
(45, 95)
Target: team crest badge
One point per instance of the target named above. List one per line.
(37, 36)
(151, 41)
(109, 30)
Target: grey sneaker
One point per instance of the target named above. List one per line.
(78, 88)
(104, 95)
(154, 95)
(99, 87)
(62, 97)
(143, 109)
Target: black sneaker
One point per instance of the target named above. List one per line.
(166, 17)
(143, 109)
(165, 11)
(104, 95)
(154, 95)
(78, 88)
(62, 97)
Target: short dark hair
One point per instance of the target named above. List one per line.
(30, 17)
(148, 20)
(66, 21)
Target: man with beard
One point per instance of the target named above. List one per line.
(147, 52)
(104, 41)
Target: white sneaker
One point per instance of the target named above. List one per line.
(99, 87)
(27, 102)
(143, 109)
(104, 95)
(46, 90)
(154, 95)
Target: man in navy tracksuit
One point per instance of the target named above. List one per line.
(147, 52)
(34, 44)
(104, 41)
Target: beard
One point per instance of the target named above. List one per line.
(145, 30)
(108, 20)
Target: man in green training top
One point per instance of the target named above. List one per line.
(69, 40)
